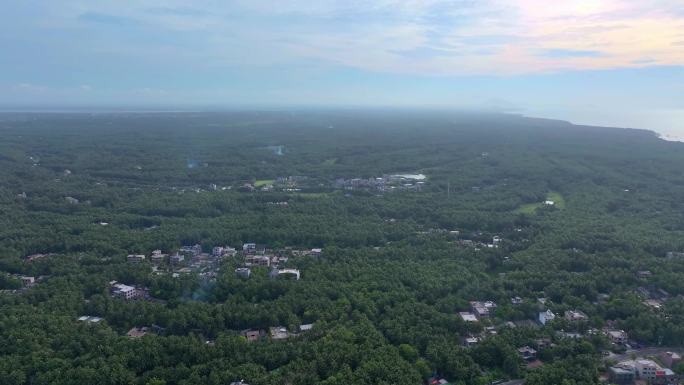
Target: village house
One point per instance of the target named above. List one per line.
(482, 309)
(618, 337)
(135, 258)
(575, 316)
(27, 281)
(644, 274)
(138, 332)
(125, 292)
(527, 353)
(545, 317)
(674, 255)
(670, 359)
(517, 301)
(621, 374)
(253, 335)
(655, 304)
(176, 258)
(71, 200)
(90, 319)
(315, 252)
(279, 333)
(257, 260)
(467, 316)
(193, 250)
(243, 272)
(285, 272)
(157, 257)
(305, 327)
(470, 341)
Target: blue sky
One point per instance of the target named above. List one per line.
(577, 59)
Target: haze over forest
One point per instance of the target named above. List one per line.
(611, 62)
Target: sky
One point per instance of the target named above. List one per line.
(611, 62)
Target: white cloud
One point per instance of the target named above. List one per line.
(450, 37)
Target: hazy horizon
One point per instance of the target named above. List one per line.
(609, 63)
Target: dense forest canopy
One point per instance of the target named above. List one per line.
(511, 210)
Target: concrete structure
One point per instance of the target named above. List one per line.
(90, 319)
(467, 316)
(316, 252)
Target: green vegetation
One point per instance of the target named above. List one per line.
(396, 269)
(263, 182)
(531, 208)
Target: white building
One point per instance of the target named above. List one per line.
(546, 316)
(135, 258)
(126, 292)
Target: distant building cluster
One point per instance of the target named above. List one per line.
(386, 183)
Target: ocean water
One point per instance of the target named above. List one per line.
(667, 123)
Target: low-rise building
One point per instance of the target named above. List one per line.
(243, 272)
(138, 332)
(621, 375)
(546, 317)
(177, 258)
(671, 359)
(618, 337)
(286, 273)
(279, 333)
(483, 309)
(135, 258)
(90, 319)
(257, 260)
(527, 353)
(575, 315)
(467, 316)
(253, 335)
(157, 257)
(27, 281)
(125, 292)
(470, 341)
(305, 327)
(316, 252)
(193, 250)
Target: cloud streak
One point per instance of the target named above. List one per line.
(446, 37)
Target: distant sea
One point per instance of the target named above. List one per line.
(667, 124)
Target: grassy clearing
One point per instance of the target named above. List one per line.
(530, 208)
(263, 182)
